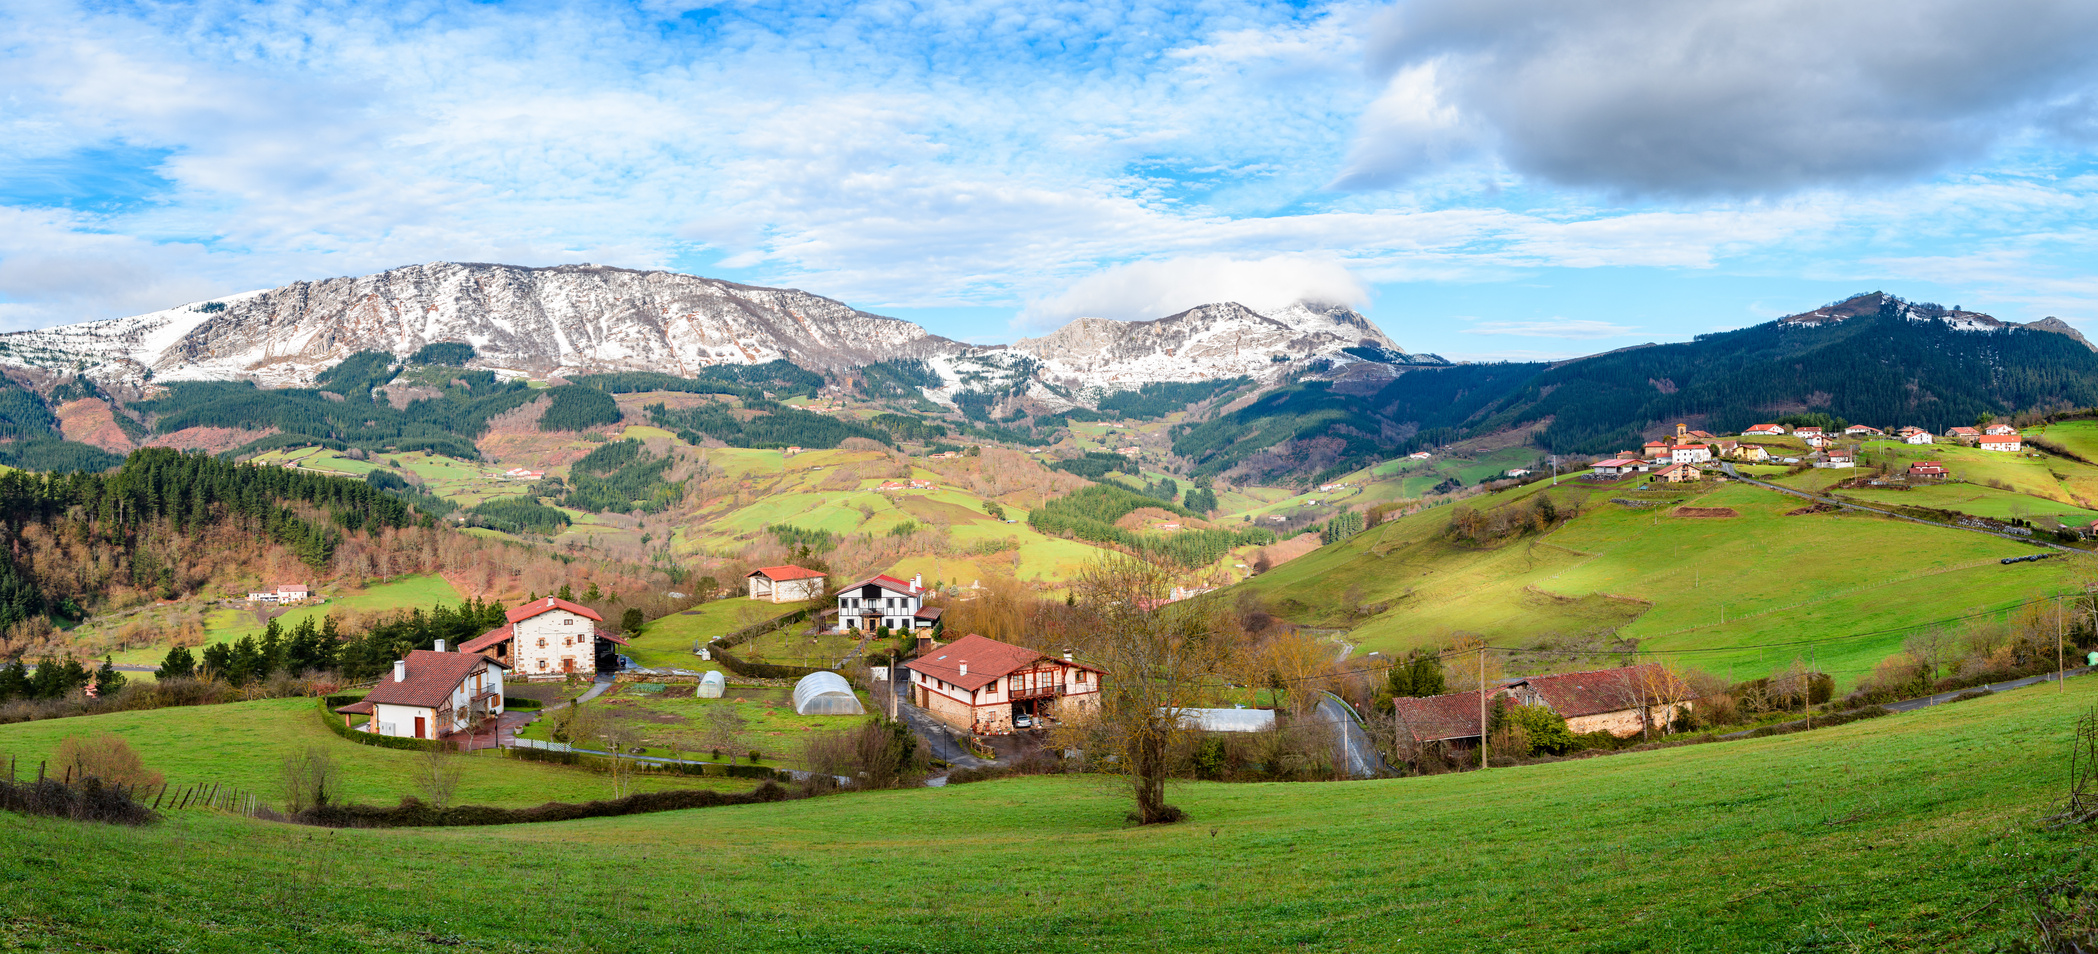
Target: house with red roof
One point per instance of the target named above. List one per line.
(1860, 430)
(1617, 467)
(784, 584)
(1690, 453)
(1765, 430)
(1623, 702)
(1677, 473)
(981, 685)
(2000, 442)
(429, 695)
(1928, 469)
(884, 600)
(548, 638)
(1966, 434)
(1999, 429)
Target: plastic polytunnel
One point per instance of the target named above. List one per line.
(710, 686)
(825, 693)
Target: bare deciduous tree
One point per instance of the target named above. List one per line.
(309, 779)
(1160, 659)
(438, 772)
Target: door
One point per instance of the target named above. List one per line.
(568, 664)
(419, 727)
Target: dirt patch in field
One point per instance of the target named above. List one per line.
(1816, 508)
(1290, 549)
(1705, 512)
(209, 439)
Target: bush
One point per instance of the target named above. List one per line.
(90, 800)
(106, 757)
(518, 702)
(415, 813)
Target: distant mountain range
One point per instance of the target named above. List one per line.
(578, 319)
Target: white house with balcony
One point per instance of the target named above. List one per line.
(429, 695)
(979, 684)
(885, 601)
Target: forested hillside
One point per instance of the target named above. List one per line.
(72, 539)
(1879, 368)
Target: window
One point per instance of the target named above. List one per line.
(542, 642)
(542, 664)
(568, 622)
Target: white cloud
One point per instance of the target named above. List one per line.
(1141, 291)
(1553, 328)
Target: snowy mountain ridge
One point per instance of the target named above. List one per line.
(574, 319)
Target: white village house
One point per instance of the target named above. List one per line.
(983, 685)
(430, 694)
(1765, 430)
(1690, 453)
(546, 638)
(284, 593)
(1916, 435)
(785, 584)
(885, 601)
(2000, 442)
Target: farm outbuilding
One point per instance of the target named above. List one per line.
(710, 686)
(825, 693)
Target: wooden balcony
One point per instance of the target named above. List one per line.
(1050, 691)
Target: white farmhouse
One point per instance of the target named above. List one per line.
(885, 601)
(1690, 453)
(430, 694)
(546, 639)
(784, 584)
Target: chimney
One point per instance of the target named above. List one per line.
(965, 667)
(1067, 655)
(440, 645)
(400, 670)
(917, 582)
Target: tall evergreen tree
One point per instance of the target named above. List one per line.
(177, 664)
(108, 681)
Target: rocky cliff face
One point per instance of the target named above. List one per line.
(570, 318)
(1956, 318)
(1209, 341)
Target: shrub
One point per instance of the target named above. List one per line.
(106, 757)
(334, 722)
(88, 801)
(413, 812)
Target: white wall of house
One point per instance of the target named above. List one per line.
(786, 591)
(553, 644)
(399, 721)
(896, 609)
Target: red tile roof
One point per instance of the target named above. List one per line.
(490, 638)
(431, 678)
(1999, 439)
(780, 574)
(547, 605)
(360, 707)
(1576, 694)
(883, 580)
(989, 660)
(1439, 718)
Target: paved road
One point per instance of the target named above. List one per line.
(1356, 749)
(1850, 505)
(939, 739)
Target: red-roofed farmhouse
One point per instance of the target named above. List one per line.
(784, 584)
(983, 685)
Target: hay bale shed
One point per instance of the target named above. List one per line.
(825, 693)
(710, 686)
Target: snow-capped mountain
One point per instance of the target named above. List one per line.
(569, 318)
(589, 318)
(1220, 340)
(1958, 319)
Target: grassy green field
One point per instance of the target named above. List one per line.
(674, 722)
(669, 641)
(223, 624)
(244, 745)
(1676, 583)
(1913, 832)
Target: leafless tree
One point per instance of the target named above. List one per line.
(309, 779)
(1160, 659)
(1932, 649)
(438, 772)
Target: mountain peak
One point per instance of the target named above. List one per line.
(1217, 340)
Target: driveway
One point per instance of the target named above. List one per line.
(941, 741)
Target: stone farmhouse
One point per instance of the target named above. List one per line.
(431, 694)
(1623, 702)
(547, 639)
(784, 584)
(1963, 434)
(982, 685)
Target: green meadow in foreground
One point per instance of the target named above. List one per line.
(243, 745)
(1914, 831)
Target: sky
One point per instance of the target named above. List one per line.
(1485, 179)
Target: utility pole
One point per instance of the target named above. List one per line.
(2061, 668)
(1482, 706)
